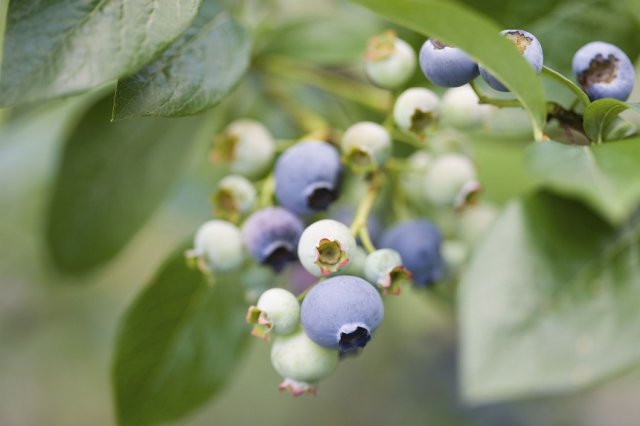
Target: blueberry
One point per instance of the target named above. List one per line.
(415, 109)
(384, 268)
(389, 61)
(326, 246)
(277, 312)
(271, 235)
(301, 362)
(366, 146)
(218, 245)
(234, 195)
(419, 243)
(342, 313)
(460, 108)
(528, 46)
(307, 177)
(603, 71)
(446, 66)
(451, 181)
(247, 146)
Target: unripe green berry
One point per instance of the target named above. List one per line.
(390, 61)
(277, 312)
(415, 109)
(366, 146)
(218, 245)
(451, 181)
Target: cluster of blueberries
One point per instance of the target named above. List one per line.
(341, 310)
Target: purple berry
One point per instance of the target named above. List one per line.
(419, 243)
(308, 177)
(271, 236)
(342, 313)
(603, 71)
(446, 66)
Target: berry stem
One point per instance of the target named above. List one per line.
(555, 75)
(500, 103)
(267, 190)
(359, 224)
(366, 240)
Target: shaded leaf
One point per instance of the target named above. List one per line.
(606, 177)
(549, 302)
(479, 37)
(56, 48)
(111, 179)
(193, 74)
(600, 114)
(178, 344)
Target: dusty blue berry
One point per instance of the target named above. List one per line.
(419, 243)
(603, 71)
(528, 46)
(307, 177)
(342, 313)
(271, 236)
(446, 66)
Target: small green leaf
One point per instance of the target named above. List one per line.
(606, 177)
(549, 302)
(55, 48)
(600, 114)
(178, 344)
(476, 35)
(193, 74)
(111, 179)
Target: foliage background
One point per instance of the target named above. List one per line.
(56, 331)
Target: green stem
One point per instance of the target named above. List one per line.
(366, 240)
(500, 103)
(548, 72)
(364, 209)
(266, 191)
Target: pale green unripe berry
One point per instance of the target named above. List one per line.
(415, 109)
(301, 362)
(326, 246)
(413, 176)
(366, 145)
(218, 244)
(390, 61)
(277, 312)
(248, 147)
(234, 195)
(460, 108)
(451, 180)
(384, 269)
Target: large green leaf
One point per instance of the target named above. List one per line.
(479, 37)
(54, 48)
(194, 74)
(178, 344)
(549, 302)
(607, 177)
(600, 114)
(111, 179)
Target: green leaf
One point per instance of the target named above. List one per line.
(600, 114)
(111, 179)
(178, 344)
(549, 302)
(606, 177)
(479, 37)
(57, 48)
(194, 74)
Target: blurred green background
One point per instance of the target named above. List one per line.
(56, 332)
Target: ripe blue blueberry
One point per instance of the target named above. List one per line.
(218, 246)
(271, 235)
(603, 71)
(389, 61)
(342, 313)
(528, 46)
(277, 312)
(415, 109)
(307, 177)
(419, 244)
(247, 146)
(301, 362)
(326, 246)
(446, 66)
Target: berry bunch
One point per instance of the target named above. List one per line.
(294, 211)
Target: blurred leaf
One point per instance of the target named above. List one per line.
(60, 47)
(111, 179)
(606, 177)
(600, 114)
(549, 302)
(476, 35)
(324, 40)
(178, 344)
(193, 74)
